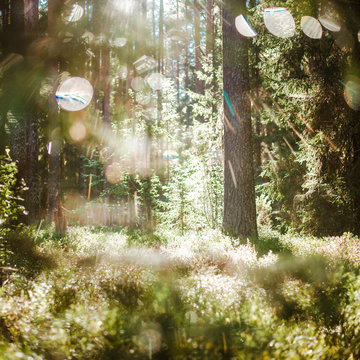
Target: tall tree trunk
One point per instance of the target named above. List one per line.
(209, 26)
(31, 19)
(14, 43)
(105, 65)
(239, 191)
(24, 146)
(177, 75)
(210, 53)
(198, 82)
(187, 77)
(54, 7)
(161, 37)
(353, 24)
(161, 57)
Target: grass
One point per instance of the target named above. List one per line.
(125, 294)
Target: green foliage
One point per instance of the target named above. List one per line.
(196, 297)
(192, 197)
(307, 130)
(11, 204)
(10, 192)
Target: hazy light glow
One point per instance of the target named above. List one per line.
(123, 6)
(78, 131)
(243, 26)
(74, 94)
(330, 23)
(119, 42)
(279, 22)
(359, 35)
(311, 27)
(76, 13)
(177, 35)
(11, 60)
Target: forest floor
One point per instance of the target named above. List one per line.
(124, 294)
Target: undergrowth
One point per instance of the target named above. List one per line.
(125, 294)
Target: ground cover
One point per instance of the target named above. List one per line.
(121, 294)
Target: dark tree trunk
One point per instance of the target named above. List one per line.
(32, 174)
(31, 19)
(24, 135)
(54, 7)
(353, 24)
(239, 192)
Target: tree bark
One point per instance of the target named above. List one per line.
(31, 20)
(161, 37)
(105, 64)
(54, 7)
(198, 82)
(209, 26)
(239, 191)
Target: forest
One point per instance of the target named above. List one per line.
(179, 179)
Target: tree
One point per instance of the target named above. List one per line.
(239, 191)
(54, 8)
(19, 105)
(31, 15)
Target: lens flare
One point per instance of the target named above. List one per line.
(138, 83)
(330, 23)
(114, 173)
(243, 26)
(352, 93)
(311, 27)
(279, 22)
(76, 13)
(156, 81)
(74, 94)
(170, 155)
(145, 64)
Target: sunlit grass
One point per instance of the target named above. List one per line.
(171, 295)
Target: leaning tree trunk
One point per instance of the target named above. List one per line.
(239, 192)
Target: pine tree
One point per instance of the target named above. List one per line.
(239, 191)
